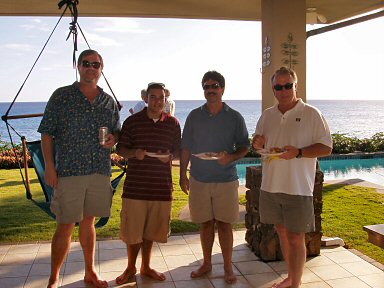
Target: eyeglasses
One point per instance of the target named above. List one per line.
(87, 64)
(213, 86)
(287, 86)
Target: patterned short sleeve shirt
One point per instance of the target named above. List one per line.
(74, 123)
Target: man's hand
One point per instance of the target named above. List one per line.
(224, 158)
(51, 177)
(110, 141)
(184, 184)
(291, 152)
(140, 154)
(258, 142)
(164, 159)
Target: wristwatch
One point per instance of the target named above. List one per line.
(300, 153)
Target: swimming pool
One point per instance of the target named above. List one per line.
(371, 169)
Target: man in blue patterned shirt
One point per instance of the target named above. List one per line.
(76, 165)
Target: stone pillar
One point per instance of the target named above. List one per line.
(263, 238)
(283, 44)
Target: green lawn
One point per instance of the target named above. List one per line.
(22, 220)
(346, 210)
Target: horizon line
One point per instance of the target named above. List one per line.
(316, 99)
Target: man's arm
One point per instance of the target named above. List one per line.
(48, 153)
(225, 158)
(173, 108)
(126, 152)
(112, 139)
(184, 161)
(312, 151)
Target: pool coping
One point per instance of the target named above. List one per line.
(355, 155)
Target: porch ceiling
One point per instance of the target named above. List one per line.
(333, 10)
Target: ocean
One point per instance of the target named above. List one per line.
(355, 118)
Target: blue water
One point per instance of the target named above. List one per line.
(354, 118)
(371, 170)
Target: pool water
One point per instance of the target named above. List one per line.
(371, 170)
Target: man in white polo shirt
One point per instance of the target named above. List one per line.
(286, 198)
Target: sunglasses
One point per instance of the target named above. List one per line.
(287, 86)
(87, 64)
(213, 86)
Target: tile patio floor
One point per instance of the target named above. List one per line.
(27, 265)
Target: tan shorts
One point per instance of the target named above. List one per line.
(208, 201)
(143, 219)
(79, 196)
(294, 212)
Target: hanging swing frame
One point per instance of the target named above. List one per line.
(72, 6)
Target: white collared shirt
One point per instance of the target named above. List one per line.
(301, 126)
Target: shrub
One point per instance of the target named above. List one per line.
(343, 144)
(378, 141)
(365, 145)
(9, 156)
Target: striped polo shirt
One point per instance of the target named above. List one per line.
(150, 179)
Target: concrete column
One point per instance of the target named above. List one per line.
(283, 24)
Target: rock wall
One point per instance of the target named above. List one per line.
(263, 238)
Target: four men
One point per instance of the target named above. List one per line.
(214, 138)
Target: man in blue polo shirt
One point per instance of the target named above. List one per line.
(78, 167)
(214, 138)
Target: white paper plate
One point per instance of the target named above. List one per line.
(265, 152)
(152, 154)
(207, 156)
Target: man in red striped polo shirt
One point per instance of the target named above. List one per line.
(149, 139)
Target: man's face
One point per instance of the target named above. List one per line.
(284, 89)
(213, 92)
(156, 100)
(90, 68)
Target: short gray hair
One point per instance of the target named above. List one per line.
(284, 71)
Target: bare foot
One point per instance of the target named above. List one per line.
(52, 283)
(204, 269)
(127, 274)
(152, 274)
(94, 279)
(286, 283)
(229, 276)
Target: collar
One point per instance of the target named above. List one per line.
(143, 113)
(204, 107)
(297, 108)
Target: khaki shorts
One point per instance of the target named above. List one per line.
(294, 212)
(143, 219)
(219, 201)
(79, 196)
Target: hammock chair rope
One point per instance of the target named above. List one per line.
(72, 6)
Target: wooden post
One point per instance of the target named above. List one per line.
(25, 157)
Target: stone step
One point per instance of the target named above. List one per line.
(375, 234)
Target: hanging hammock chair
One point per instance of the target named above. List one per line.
(34, 147)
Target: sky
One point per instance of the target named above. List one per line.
(346, 64)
